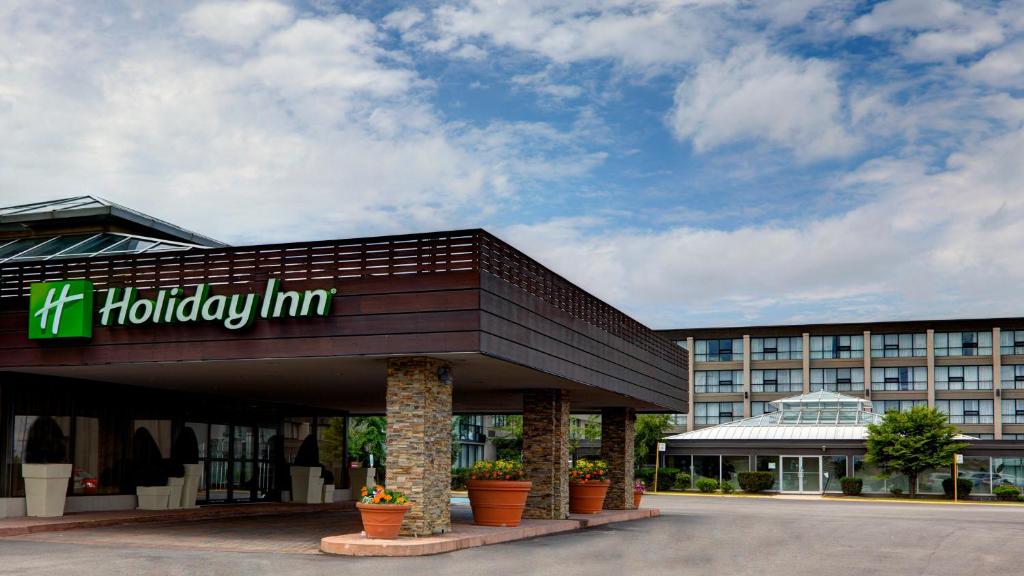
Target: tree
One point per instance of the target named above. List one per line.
(650, 429)
(911, 442)
(368, 435)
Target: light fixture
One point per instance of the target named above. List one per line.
(824, 448)
(444, 375)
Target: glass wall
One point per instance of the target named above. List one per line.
(963, 377)
(869, 473)
(900, 378)
(977, 469)
(708, 413)
(1013, 411)
(835, 467)
(963, 343)
(732, 466)
(883, 406)
(777, 380)
(837, 379)
(782, 348)
(1011, 342)
(899, 345)
(759, 407)
(834, 347)
(718, 381)
(769, 464)
(723, 350)
(706, 467)
(966, 411)
(1008, 471)
(1012, 376)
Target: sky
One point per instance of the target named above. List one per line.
(694, 163)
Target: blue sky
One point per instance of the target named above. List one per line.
(695, 163)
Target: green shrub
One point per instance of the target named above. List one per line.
(896, 491)
(755, 481)
(727, 488)
(1007, 492)
(963, 487)
(459, 477)
(707, 485)
(851, 486)
(682, 481)
(666, 477)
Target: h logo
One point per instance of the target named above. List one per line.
(60, 310)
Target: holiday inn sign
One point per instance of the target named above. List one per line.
(65, 309)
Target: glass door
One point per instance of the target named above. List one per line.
(801, 474)
(243, 451)
(238, 462)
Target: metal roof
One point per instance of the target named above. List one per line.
(85, 245)
(820, 415)
(94, 206)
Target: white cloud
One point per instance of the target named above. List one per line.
(239, 23)
(754, 94)
(1001, 67)
(909, 14)
(929, 245)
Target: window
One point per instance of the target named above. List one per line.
(1011, 342)
(837, 346)
(718, 381)
(883, 406)
(705, 413)
(786, 348)
(837, 379)
(966, 411)
(963, 377)
(777, 380)
(1013, 436)
(718, 350)
(899, 345)
(500, 421)
(759, 408)
(899, 378)
(1013, 411)
(1012, 376)
(963, 343)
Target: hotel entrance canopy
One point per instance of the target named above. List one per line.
(504, 322)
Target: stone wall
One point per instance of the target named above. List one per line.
(618, 429)
(419, 437)
(546, 452)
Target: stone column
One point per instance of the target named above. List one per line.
(618, 428)
(546, 453)
(419, 441)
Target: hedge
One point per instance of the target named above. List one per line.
(755, 481)
(851, 486)
(666, 477)
(707, 485)
(1006, 492)
(963, 487)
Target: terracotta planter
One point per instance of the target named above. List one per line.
(587, 497)
(498, 502)
(636, 499)
(382, 521)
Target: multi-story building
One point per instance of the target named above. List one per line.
(973, 370)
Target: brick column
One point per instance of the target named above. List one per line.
(419, 442)
(618, 428)
(546, 453)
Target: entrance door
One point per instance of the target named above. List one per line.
(801, 474)
(237, 460)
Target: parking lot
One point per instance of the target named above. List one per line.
(695, 535)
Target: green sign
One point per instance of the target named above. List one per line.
(64, 309)
(60, 310)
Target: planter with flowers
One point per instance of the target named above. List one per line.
(638, 492)
(382, 511)
(497, 492)
(588, 485)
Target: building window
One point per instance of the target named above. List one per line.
(706, 413)
(787, 348)
(1012, 376)
(966, 411)
(899, 378)
(884, 406)
(833, 347)
(718, 381)
(963, 377)
(759, 408)
(1013, 437)
(1011, 342)
(777, 380)
(984, 436)
(724, 350)
(468, 454)
(963, 343)
(499, 421)
(837, 379)
(1013, 411)
(899, 345)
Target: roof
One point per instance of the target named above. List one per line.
(820, 415)
(95, 207)
(85, 245)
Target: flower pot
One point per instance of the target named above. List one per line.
(176, 485)
(587, 497)
(189, 491)
(636, 499)
(382, 521)
(45, 488)
(498, 502)
(307, 485)
(153, 497)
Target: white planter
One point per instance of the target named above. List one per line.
(307, 484)
(153, 497)
(46, 485)
(174, 497)
(193, 474)
(328, 493)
